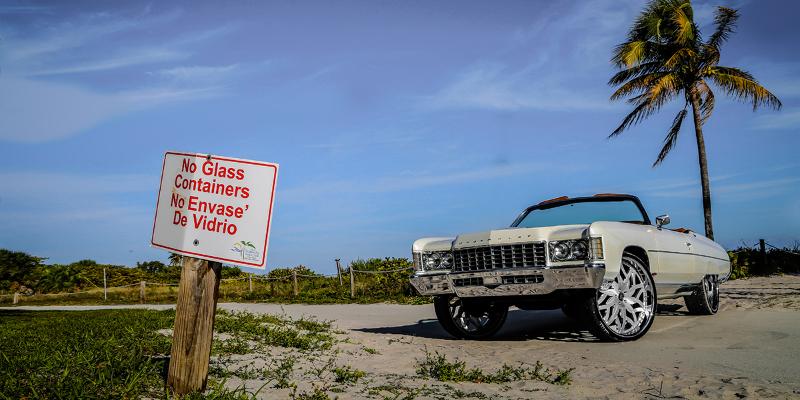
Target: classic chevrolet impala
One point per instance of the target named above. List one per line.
(598, 258)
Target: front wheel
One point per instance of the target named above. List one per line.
(705, 299)
(623, 309)
(475, 321)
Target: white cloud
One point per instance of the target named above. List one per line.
(128, 59)
(44, 111)
(499, 87)
(36, 110)
(735, 191)
(785, 119)
(73, 34)
(312, 191)
(198, 73)
(559, 63)
(27, 185)
(47, 197)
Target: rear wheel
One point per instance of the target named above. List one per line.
(469, 321)
(705, 299)
(623, 309)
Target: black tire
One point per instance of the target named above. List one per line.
(476, 321)
(633, 273)
(573, 309)
(705, 299)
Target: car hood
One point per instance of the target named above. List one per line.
(520, 235)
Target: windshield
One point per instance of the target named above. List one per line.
(585, 212)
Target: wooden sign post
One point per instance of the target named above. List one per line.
(210, 210)
(194, 325)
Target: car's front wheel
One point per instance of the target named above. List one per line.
(705, 299)
(469, 320)
(623, 309)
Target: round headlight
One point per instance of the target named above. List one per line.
(446, 261)
(561, 251)
(580, 250)
(432, 261)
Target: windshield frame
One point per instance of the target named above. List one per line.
(596, 199)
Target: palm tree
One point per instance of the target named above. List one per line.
(175, 259)
(665, 58)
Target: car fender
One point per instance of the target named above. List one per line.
(618, 236)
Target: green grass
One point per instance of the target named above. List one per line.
(312, 291)
(346, 374)
(438, 367)
(112, 354)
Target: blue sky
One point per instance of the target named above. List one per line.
(390, 120)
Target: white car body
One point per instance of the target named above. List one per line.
(677, 260)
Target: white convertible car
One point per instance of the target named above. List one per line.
(598, 258)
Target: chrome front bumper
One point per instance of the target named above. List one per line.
(510, 282)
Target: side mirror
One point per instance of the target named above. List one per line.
(662, 220)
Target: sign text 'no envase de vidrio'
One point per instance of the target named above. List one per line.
(216, 208)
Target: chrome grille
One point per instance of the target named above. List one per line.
(495, 257)
(477, 281)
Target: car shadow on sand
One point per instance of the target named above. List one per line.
(551, 325)
(520, 325)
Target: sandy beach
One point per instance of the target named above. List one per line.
(750, 349)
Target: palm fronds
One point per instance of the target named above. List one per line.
(664, 56)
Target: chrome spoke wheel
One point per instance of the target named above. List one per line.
(469, 321)
(711, 290)
(627, 303)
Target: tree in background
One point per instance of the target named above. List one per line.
(18, 269)
(666, 58)
(175, 259)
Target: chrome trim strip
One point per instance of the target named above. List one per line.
(687, 254)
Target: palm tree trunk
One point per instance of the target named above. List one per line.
(701, 154)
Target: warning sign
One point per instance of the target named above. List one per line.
(215, 208)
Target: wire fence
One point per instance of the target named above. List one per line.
(763, 258)
(250, 287)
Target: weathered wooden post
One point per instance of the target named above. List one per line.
(245, 186)
(294, 283)
(352, 283)
(198, 292)
(250, 281)
(762, 248)
(105, 286)
(142, 286)
(339, 272)
(16, 297)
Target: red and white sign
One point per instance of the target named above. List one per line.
(216, 208)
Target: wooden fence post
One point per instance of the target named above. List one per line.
(294, 280)
(250, 281)
(105, 286)
(762, 248)
(194, 325)
(339, 272)
(352, 283)
(142, 285)
(16, 297)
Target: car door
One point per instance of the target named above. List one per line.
(676, 261)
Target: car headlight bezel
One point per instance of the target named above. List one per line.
(576, 249)
(436, 260)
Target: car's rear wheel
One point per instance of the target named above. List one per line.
(469, 320)
(623, 309)
(705, 299)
